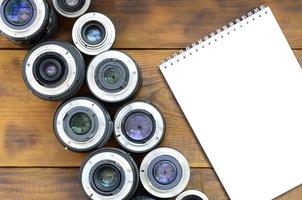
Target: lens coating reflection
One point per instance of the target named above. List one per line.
(18, 12)
(94, 34)
(165, 172)
(72, 3)
(112, 75)
(139, 126)
(107, 178)
(51, 69)
(80, 123)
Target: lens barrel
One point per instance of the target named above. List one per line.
(54, 70)
(192, 195)
(71, 8)
(93, 33)
(139, 127)
(82, 124)
(113, 76)
(164, 172)
(27, 21)
(109, 174)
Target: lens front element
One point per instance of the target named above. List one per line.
(80, 123)
(139, 126)
(107, 178)
(18, 12)
(165, 172)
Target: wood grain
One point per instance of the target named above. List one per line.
(26, 134)
(63, 183)
(32, 163)
(175, 24)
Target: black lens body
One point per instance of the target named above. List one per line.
(107, 177)
(192, 197)
(50, 70)
(44, 31)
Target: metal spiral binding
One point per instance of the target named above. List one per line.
(206, 40)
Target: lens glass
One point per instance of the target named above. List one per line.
(165, 172)
(107, 178)
(72, 3)
(80, 123)
(93, 33)
(18, 12)
(139, 126)
(112, 75)
(50, 69)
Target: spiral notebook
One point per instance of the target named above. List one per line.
(241, 91)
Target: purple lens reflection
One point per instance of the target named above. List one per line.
(165, 172)
(139, 126)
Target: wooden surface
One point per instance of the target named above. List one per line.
(32, 163)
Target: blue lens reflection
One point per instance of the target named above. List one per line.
(18, 12)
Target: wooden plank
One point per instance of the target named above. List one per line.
(162, 24)
(63, 183)
(26, 135)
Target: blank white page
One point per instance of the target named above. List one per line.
(241, 91)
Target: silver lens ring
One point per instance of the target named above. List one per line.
(71, 14)
(98, 136)
(40, 8)
(147, 168)
(152, 140)
(106, 42)
(127, 168)
(72, 81)
(192, 194)
(132, 85)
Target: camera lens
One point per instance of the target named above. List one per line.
(82, 124)
(164, 172)
(113, 76)
(139, 127)
(54, 70)
(71, 8)
(192, 195)
(27, 21)
(93, 33)
(109, 174)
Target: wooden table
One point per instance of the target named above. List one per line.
(35, 166)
